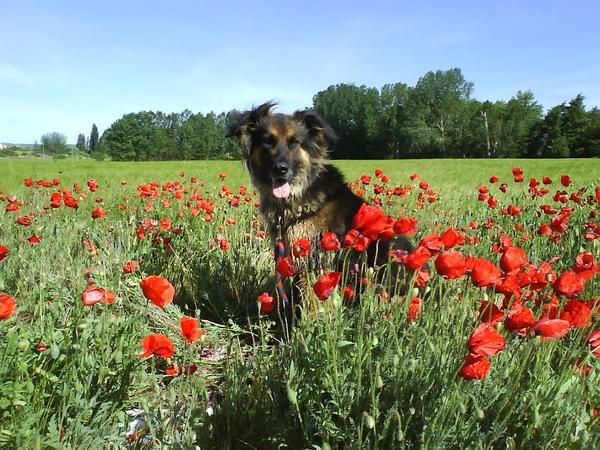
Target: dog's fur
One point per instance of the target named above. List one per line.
(319, 199)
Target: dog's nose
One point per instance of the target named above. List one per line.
(282, 167)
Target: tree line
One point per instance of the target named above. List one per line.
(435, 118)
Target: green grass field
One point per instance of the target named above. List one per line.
(390, 372)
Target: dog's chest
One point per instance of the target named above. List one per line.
(309, 222)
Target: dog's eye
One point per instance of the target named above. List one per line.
(268, 140)
(293, 141)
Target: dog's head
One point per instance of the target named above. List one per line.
(282, 152)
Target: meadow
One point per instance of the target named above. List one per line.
(497, 345)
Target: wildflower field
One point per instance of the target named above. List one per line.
(138, 310)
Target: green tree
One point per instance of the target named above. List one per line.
(548, 139)
(353, 112)
(80, 142)
(93, 145)
(54, 142)
(440, 99)
(521, 115)
(394, 120)
(591, 136)
(575, 122)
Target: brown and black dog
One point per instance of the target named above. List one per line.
(301, 193)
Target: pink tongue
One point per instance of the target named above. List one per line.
(282, 190)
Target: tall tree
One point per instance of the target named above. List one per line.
(93, 139)
(548, 139)
(440, 99)
(575, 122)
(394, 120)
(521, 115)
(80, 142)
(353, 113)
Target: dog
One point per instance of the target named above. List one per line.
(301, 193)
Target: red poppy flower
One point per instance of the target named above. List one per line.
(349, 293)
(356, 240)
(325, 285)
(414, 309)
(577, 313)
(71, 202)
(406, 226)
(512, 258)
(451, 238)
(93, 185)
(189, 329)
(569, 284)
(130, 266)
(224, 244)
(417, 258)
(172, 370)
(494, 179)
(301, 248)
(158, 290)
(475, 367)
(165, 224)
(157, 344)
(551, 328)
(450, 265)
(12, 207)
(546, 180)
(509, 284)
(3, 252)
(513, 210)
(484, 273)
(266, 303)
(24, 221)
(544, 229)
(33, 239)
(55, 199)
(371, 221)
(98, 213)
(518, 318)
(7, 306)
(422, 278)
(285, 267)
(485, 341)
(594, 342)
(585, 266)
(28, 182)
(92, 295)
(109, 297)
(431, 242)
(490, 313)
(329, 241)
(565, 180)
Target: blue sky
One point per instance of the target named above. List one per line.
(67, 64)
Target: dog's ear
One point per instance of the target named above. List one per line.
(318, 129)
(243, 124)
